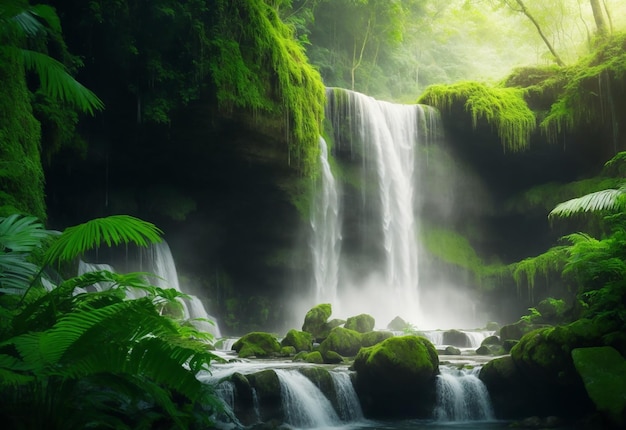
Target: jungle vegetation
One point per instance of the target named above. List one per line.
(263, 64)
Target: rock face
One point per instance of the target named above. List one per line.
(456, 338)
(539, 377)
(396, 378)
(257, 344)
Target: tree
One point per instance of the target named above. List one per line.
(598, 16)
(521, 7)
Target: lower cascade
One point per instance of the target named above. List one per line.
(461, 396)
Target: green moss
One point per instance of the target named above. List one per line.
(591, 86)
(412, 356)
(314, 357)
(603, 371)
(21, 173)
(257, 344)
(504, 109)
(549, 263)
(373, 337)
(361, 323)
(343, 341)
(315, 320)
(300, 340)
(259, 65)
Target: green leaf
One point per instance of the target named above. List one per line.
(58, 83)
(112, 230)
(605, 200)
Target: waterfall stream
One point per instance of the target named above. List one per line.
(384, 136)
(461, 396)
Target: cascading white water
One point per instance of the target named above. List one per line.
(385, 135)
(326, 238)
(163, 266)
(461, 396)
(304, 405)
(347, 400)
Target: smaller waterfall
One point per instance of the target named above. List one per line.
(304, 405)
(162, 265)
(347, 400)
(326, 238)
(461, 396)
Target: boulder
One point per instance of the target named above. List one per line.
(603, 371)
(257, 344)
(315, 321)
(456, 338)
(314, 357)
(267, 388)
(552, 310)
(516, 330)
(451, 350)
(343, 341)
(397, 377)
(361, 323)
(373, 337)
(398, 324)
(300, 340)
(491, 340)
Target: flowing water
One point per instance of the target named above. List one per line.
(382, 138)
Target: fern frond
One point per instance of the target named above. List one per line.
(112, 230)
(20, 233)
(16, 273)
(57, 83)
(605, 200)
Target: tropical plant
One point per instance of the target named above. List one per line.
(19, 21)
(76, 359)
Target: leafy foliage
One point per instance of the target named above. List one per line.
(75, 359)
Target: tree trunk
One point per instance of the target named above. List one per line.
(532, 19)
(601, 28)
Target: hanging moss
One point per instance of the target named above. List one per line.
(590, 93)
(21, 174)
(504, 109)
(259, 65)
(549, 263)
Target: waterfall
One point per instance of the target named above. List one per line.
(384, 136)
(347, 400)
(304, 405)
(326, 238)
(461, 396)
(163, 266)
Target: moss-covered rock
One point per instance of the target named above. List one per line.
(343, 341)
(314, 357)
(491, 340)
(396, 378)
(361, 323)
(603, 371)
(267, 387)
(331, 357)
(315, 321)
(373, 337)
(257, 344)
(300, 340)
(516, 330)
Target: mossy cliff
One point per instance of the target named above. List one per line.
(21, 174)
(211, 132)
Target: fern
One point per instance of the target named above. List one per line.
(605, 200)
(112, 230)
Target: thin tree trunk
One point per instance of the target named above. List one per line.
(356, 63)
(532, 19)
(601, 27)
(608, 15)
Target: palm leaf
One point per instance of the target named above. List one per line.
(112, 230)
(605, 200)
(22, 233)
(58, 83)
